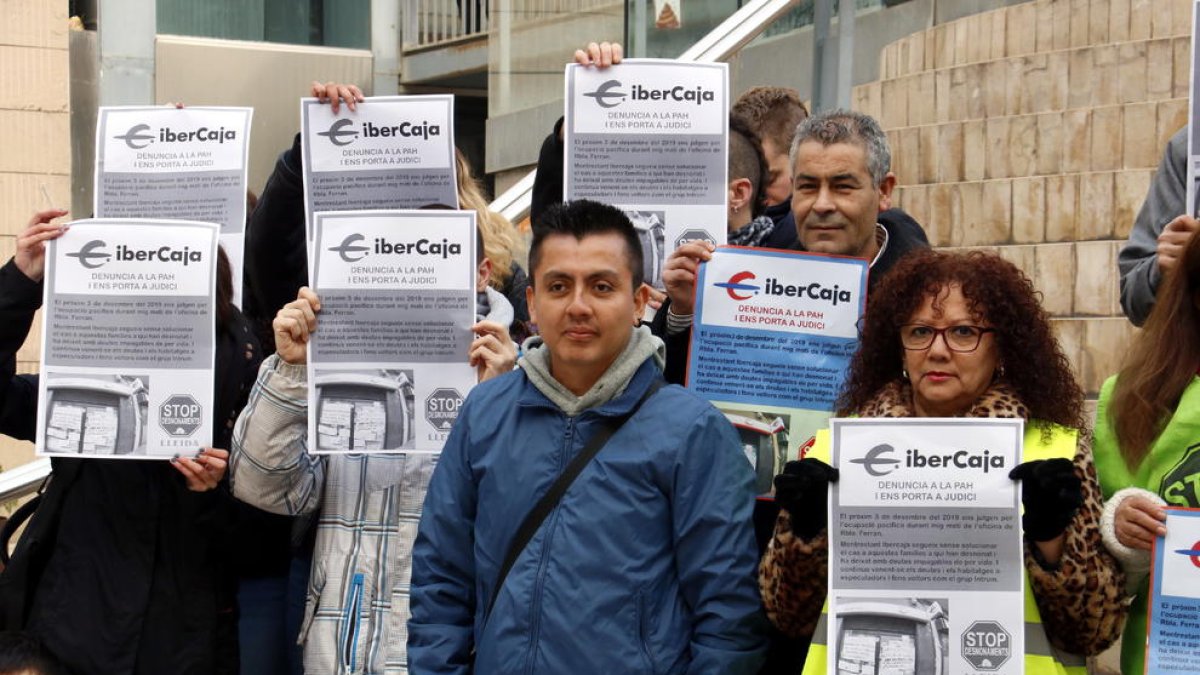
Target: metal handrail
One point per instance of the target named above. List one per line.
(23, 480)
(718, 45)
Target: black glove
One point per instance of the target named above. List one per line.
(1052, 495)
(802, 489)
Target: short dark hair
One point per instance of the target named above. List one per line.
(582, 218)
(746, 160)
(23, 652)
(773, 112)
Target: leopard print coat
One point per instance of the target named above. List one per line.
(1080, 599)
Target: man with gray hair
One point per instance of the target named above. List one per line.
(841, 182)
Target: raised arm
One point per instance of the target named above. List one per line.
(1164, 209)
(270, 466)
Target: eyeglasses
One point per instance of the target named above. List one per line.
(962, 339)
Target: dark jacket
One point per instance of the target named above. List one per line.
(135, 576)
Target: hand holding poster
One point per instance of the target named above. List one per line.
(651, 138)
(180, 163)
(773, 336)
(127, 341)
(393, 152)
(388, 362)
(1173, 642)
(926, 562)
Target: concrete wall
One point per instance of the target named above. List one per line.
(525, 81)
(36, 136)
(516, 130)
(1033, 131)
(269, 77)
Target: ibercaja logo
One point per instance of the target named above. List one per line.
(740, 288)
(345, 131)
(94, 254)
(354, 248)
(141, 135)
(611, 94)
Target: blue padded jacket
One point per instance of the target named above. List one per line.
(647, 564)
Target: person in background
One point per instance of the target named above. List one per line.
(843, 188)
(1163, 227)
(748, 225)
(963, 335)
(1147, 424)
(774, 113)
(367, 505)
(125, 566)
(499, 243)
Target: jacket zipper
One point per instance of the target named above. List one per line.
(354, 597)
(539, 582)
(350, 640)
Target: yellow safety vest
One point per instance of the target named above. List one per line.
(1040, 657)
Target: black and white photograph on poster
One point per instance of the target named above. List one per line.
(893, 636)
(96, 414)
(765, 440)
(651, 228)
(392, 152)
(365, 410)
(128, 342)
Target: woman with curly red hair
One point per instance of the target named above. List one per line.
(963, 335)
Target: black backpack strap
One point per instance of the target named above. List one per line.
(14, 522)
(533, 520)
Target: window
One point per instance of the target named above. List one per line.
(344, 23)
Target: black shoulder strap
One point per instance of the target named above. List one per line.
(533, 520)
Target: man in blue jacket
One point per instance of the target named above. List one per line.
(646, 563)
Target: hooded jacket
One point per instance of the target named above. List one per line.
(646, 565)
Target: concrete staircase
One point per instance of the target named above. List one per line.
(1033, 131)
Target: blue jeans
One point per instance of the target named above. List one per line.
(270, 610)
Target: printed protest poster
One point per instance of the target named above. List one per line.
(1173, 640)
(127, 340)
(188, 164)
(393, 152)
(771, 344)
(651, 138)
(926, 564)
(388, 362)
